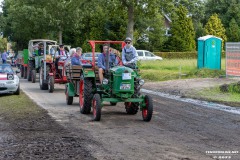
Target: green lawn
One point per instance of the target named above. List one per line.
(169, 69)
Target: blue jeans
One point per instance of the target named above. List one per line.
(3, 61)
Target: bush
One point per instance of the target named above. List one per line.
(181, 55)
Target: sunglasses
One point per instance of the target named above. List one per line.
(128, 42)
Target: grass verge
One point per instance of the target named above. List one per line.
(169, 69)
(215, 95)
(17, 107)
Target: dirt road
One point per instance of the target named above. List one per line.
(178, 130)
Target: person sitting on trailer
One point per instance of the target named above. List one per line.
(76, 58)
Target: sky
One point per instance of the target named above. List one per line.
(0, 6)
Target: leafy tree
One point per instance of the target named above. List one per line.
(215, 27)
(3, 44)
(150, 33)
(233, 31)
(183, 34)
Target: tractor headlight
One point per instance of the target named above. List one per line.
(141, 82)
(105, 81)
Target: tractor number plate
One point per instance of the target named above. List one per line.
(125, 86)
(126, 76)
(2, 85)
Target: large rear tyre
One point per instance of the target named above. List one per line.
(148, 110)
(43, 85)
(69, 99)
(51, 84)
(85, 95)
(29, 70)
(131, 107)
(96, 107)
(33, 76)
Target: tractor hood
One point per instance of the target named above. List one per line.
(122, 69)
(123, 81)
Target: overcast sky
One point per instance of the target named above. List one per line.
(0, 6)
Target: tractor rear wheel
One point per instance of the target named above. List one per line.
(148, 110)
(29, 70)
(44, 85)
(33, 76)
(131, 107)
(96, 107)
(69, 99)
(51, 84)
(85, 95)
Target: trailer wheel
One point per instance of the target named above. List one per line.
(33, 76)
(69, 99)
(131, 107)
(51, 84)
(96, 107)
(148, 110)
(85, 95)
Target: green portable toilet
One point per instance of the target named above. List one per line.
(209, 52)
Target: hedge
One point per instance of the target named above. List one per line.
(180, 55)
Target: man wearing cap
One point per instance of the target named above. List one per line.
(60, 53)
(129, 54)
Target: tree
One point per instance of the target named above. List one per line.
(215, 27)
(137, 8)
(233, 31)
(183, 34)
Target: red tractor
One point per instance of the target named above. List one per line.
(50, 75)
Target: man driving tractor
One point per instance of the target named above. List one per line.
(102, 61)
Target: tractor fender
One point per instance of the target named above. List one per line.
(71, 90)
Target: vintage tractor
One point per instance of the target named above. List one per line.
(36, 49)
(49, 75)
(120, 84)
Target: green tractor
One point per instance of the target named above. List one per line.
(35, 57)
(120, 84)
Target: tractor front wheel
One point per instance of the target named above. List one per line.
(69, 99)
(51, 84)
(96, 107)
(148, 109)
